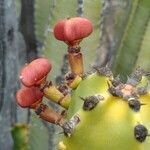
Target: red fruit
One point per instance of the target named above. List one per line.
(35, 72)
(29, 97)
(72, 30)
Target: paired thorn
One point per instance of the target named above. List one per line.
(114, 91)
(64, 113)
(45, 85)
(91, 102)
(85, 75)
(74, 49)
(40, 109)
(136, 77)
(104, 71)
(132, 81)
(134, 104)
(116, 81)
(64, 89)
(140, 133)
(142, 90)
(69, 127)
(73, 80)
(82, 98)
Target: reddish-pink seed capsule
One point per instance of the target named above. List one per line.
(35, 72)
(73, 29)
(27, 97)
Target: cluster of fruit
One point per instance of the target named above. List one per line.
(33, 75)
(103, 112)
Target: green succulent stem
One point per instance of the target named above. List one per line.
(132, 38)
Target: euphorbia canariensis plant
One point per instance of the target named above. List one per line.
(72, 31)
(31, 97)
(35, 73)
(104, 113)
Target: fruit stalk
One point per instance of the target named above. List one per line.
(75, 60)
